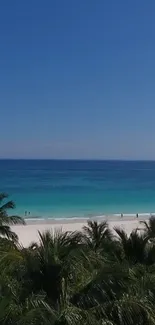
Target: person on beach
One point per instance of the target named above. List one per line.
(137, 215)
(121, 215)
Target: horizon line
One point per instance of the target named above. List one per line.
(83, 159)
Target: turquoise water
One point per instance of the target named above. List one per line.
(63, 188)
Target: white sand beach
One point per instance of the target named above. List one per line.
(29, 232)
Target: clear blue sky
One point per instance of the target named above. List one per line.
(77, 79)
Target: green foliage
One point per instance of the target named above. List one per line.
(78, 278)
(6, 220)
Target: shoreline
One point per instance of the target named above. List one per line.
(29, 233)
(76, 219)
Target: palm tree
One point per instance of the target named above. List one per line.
(49, 261)
(134, 247)
(120, 295)
(6, 220)
(149, 227)
(57, 267)
(67, 279)
(96, 234)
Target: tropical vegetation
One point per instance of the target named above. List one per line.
(6, 220)
(94, 277)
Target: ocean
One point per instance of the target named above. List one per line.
(78, 188)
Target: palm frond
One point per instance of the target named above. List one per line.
(149, 228)
(8, 205)
(121, 233)
(14, 220)
(95, 234)
(7, 232)
(3, 196)
(10, 261)
(145, 224)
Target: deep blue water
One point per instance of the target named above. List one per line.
(65, 188)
